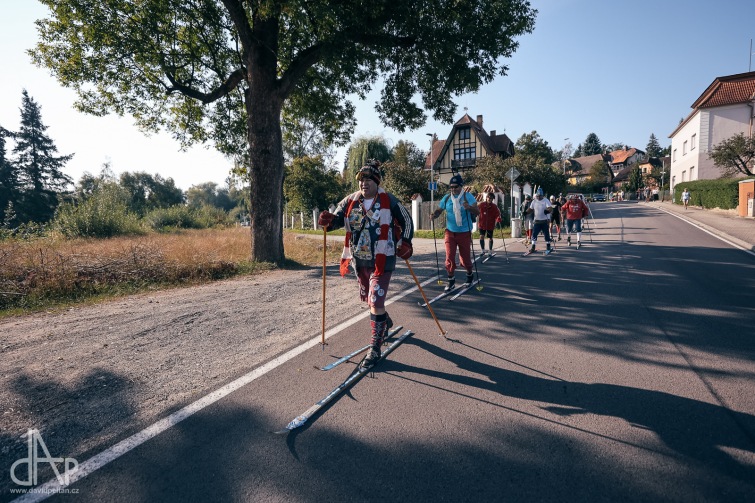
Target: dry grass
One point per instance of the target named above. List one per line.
(40, 273)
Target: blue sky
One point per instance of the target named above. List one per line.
(621, 69)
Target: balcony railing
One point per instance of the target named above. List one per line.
(463, 163)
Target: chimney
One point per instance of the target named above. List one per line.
(479, 120)
(492, 133)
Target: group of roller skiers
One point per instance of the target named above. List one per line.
(541, 215)
(379, 229)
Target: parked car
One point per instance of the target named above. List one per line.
(599, 197)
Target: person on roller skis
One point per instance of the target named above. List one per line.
(528, 221)
(575, 210)
(541, 209)
(556, 215)
(378, 229)
(489, 216)
(461, 209)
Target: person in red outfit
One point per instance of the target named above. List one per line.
(489, 216)
(575, 210)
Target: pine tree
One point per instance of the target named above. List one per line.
(653, 148)
(38, 167)
(592, 145)
(9, 192)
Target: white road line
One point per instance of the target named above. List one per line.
(97, 461)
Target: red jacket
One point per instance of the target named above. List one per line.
(489, 215)
(575, 209)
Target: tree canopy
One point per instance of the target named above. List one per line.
(735, 155)
(223, 70)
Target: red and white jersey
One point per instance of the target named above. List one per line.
(575, 209)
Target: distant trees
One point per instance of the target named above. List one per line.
(360, 150)
(148, 192)
(310, 184)
(735, 155)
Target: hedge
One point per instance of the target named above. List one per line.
(721, 193)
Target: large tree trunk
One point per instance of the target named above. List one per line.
(266, 176)
(263, 107)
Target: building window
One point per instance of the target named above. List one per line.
(674, 155)
(694, 142)
(464, 153)
(464, 134)
(691, 173)
(684, 176)
(684, 148)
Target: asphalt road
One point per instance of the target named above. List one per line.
(620, 372)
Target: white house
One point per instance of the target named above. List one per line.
(726, 108)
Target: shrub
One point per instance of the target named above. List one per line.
(103, 214)
(184, 217)
(721, 193)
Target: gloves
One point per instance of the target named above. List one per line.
(405, 251)
(325, 219)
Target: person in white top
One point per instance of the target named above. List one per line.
(541, 208)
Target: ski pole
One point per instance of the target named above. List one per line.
(324, 269)
(474, 257)
(504, 246)
(437, 264)
(429, 307)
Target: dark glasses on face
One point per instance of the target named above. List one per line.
(454, 186)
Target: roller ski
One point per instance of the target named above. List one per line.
(488, 256)
(548, 251)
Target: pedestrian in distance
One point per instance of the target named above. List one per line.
(490, 215)
(541, 209)
(575, 210)
(461, 210)
(685, 197)
(528, 220)
(556, 215)
(378, 229)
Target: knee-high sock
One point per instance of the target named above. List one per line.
(377, 323)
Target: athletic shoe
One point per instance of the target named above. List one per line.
(468, 282)
(528, 252)
(568, 240)
(451, 285)
(578, 245)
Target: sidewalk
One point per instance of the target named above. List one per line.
(738, 230)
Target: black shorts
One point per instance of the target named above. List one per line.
(484, 233)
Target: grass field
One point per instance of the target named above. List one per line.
(46, 272)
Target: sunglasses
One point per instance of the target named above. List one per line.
(454, 186)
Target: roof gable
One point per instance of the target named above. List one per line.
(729, 90)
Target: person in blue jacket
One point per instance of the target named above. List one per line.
(461, 210)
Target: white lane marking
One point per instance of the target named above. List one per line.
(735, 245)
(51, 487)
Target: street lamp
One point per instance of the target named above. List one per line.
(564, 154)
(663, 172)
(432, 172)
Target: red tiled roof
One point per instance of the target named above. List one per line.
(728, 90)
(619, 156)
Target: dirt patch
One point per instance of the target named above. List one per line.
(90, 376)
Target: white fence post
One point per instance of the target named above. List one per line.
(315, 212)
